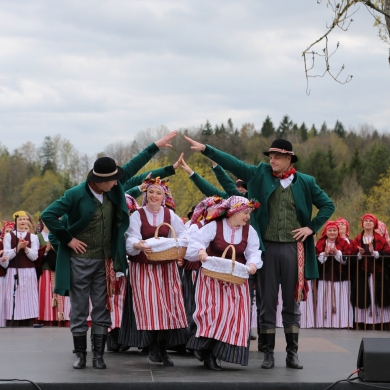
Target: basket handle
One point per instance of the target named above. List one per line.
(233, 248)
(170, 226)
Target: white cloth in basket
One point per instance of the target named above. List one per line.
(163, 243)
(219, 264)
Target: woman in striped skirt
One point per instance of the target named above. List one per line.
(22, 251)
(156, 286)
(334, 309)
(222, 314)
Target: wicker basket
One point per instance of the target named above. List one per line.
(226, 277)
(170, 254)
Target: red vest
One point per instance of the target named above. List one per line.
(147, 231)
(218, 245)
(21, 260)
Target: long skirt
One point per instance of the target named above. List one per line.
(26, 297)
(222, 318)
(189, 278)
(374, 314)
(306, 308)
(117, 302)
(334, 309)
(132, 336)
(47, 309)
(3, 320)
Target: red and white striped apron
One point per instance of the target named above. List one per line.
(47, 312)
(157, 296)
(117, 302)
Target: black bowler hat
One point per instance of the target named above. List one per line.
(282, 146)
(105, 169)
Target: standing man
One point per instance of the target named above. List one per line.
(91, 240)
(285, 225)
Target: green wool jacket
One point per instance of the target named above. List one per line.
(261, 184)
(78, 204)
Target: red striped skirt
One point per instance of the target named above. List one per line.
(157, 296)
(26, 298)
(222, 310)
(117, 302)
(47, 312)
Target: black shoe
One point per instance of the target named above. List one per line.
(124, 348)
(268, 345)
(99, 343)
(163, 355)
(153, 352)
(198, 354)
(211, 363)
(80, 347)
(292, 360)
(144, 351)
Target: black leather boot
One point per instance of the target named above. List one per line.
(292, 360)
(260, 342)
(199, 354)
(153, 352)
(99, 343)
(80, 347)
(162, 353)
(210, 362)
(268, 346)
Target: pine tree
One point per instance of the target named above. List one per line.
(268, 128)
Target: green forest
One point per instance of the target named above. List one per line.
(351, 166)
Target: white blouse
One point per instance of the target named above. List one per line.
(133, 233)
(207, 233)
(338, 256)
(32, 252)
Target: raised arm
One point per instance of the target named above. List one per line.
(225, 180)
(142, 158)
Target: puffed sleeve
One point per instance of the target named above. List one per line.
(201, 240)
(178, 224)
(133, 234)
(252, 252)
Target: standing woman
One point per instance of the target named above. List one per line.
(222, 314)
(22, 251)
(156, 287)
(369, 246)
(334, 309)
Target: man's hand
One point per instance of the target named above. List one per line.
(302, 233)
(213, 163)
(186, 168)
(195, 145)
(178, 162)
(77, 245)
(164, 142)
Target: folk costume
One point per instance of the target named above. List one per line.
(334, 309)
(367, 276)
(222, 314)
(286, 204)
(98, 218)
(157, 298)
(22, 263)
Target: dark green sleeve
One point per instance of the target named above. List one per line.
(134, 192)
(230, 163)
(138, 179)
(138, 161)
(206, 188)
(226, 181)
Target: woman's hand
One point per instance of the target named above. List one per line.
(48, 247)
(202, 255)
(252, 269)
(195, 145)
(186, 168)
(164, 142)
(361, 250)
(180, 262)
(178, 162)
(141, 246)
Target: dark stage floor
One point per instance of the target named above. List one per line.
(44, 356)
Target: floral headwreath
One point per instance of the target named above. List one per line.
(163, 185)
(239, 203)
(215, 203)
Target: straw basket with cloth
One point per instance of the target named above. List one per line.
(224, 269)
(166, 248)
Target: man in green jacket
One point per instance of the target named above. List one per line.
(286, 227)
(90, 239)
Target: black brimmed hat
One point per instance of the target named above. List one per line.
(105, 169)
(282, 146)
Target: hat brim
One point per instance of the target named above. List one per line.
(98, 179)
(294, 158)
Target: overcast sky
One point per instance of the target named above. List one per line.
(100, 71)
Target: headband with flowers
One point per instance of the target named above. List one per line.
(239, 203)
(161, 184)
(131, 203)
